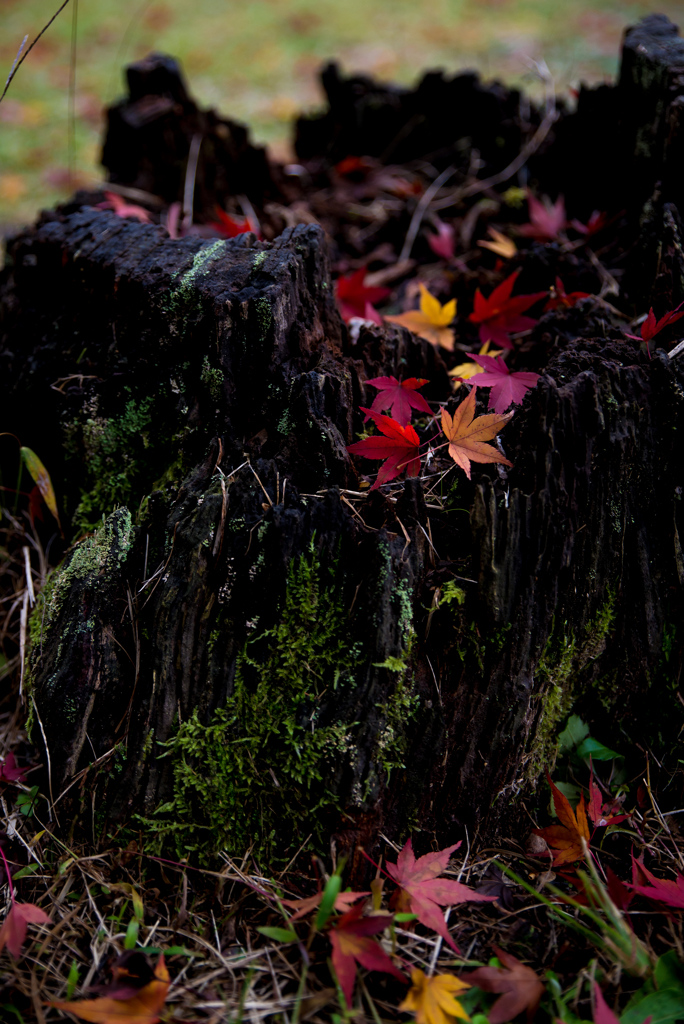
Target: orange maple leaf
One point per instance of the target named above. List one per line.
(343, 901)
(141, 1008)
(433, 999)
(431, 321)
(566, 838)
(467, 436)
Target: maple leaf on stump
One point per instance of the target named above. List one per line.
(560, 299)
(565, 839)
(355, 298)
(399, 397)
(352, 943)
(507, 388)
(500, 313)
(424, 892)
(651, 326)
(138, 1005)
(520, 988)
(13, 931)
(433, 1000)
(467, 436)
(431, 321)
(399, 447)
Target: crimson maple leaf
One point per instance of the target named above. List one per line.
(231, 228)
(424, 892)
(352, 943)
(8, 769)
(663, 890)
(399, 397)
(601, 814)
(500, 314)
(560, 298)
(399, 447)
(596, 223)
(354, 297)
(13, 931)
(443, 243)
(123, 209)
(651, 326)
(507, 388)
(518, 984)
(547, 219)
(566, 838)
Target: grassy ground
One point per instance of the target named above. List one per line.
(258, 61)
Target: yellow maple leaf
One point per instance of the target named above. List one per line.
(470, 369)
(502, 245)
(433, 999)
(467, 436)
(431, 321)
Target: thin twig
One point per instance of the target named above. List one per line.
(17, 63)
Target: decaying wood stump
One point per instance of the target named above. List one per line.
(232, 657)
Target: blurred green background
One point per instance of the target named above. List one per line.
(257, 61)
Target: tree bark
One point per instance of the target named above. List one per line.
(236, 655)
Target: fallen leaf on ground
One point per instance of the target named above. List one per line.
(9, 771)
(651, 326)
(123, 209)
(354, 297)
(42, 480)
(142, 1007)
(559, 298)
(664, 890)
(423, 892)
(520, 988)
(399, 397)
(602, 814)
(507, 388)
(567, 837)
(502, 245)
(399, 447)
(13, 931)
(547, 219)
(342, 902)
(431, 321)
(500, 314)
(467, 436)
(596, 222)
(433, 1000)
(352, 943)
(443, 243)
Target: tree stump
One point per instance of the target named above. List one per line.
(233, 656)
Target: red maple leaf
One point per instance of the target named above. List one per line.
(352, 943)
(399, 397)
(603, 1013)
(13, 931)
(443, 243)
(520, 988)
(547, 219)
(123, 209)
(596, 223)
(399, 447)
(559, 297)
(651, 326)
(663, 890)
(9, 771)
(507, 388)
(602, 814)
(231, 228)
(499, 314)
(354, 297)
(424, 892)
(566, 838)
